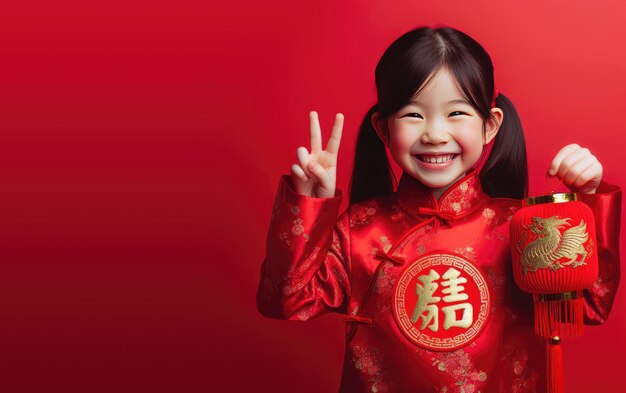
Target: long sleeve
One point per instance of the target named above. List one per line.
(305, 272)
(606, 206)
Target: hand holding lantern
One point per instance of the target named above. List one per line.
(553, 245)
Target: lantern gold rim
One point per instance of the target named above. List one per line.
(551, 297)
(561, 197)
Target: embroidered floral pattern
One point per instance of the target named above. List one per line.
(468, 252)
(418, 240)
(297, 271)
(524, 379)
(397, 214)
(384, 283)
(370, 361)
(364, 213)
(304, 314)
(383, 286)
(462, 197)
(298, 229)
(488, 215)
(496, 282)
(384, 240)
(494, 234)
(459, 365)
(600, 288)
(284, 237)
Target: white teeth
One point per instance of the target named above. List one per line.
(439, 159)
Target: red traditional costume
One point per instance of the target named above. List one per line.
(358, 265)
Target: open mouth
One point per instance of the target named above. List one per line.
(436, 158)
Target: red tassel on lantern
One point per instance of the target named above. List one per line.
(556, 380)
(555, 258)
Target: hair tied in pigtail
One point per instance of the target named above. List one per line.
(496, 93)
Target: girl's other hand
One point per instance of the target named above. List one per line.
(577, 168)
(315, 173)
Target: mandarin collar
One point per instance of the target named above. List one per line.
(463, 197)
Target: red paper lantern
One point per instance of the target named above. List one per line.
(553, 243)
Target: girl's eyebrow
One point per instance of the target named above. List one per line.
(456, 101)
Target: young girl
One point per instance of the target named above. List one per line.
(422, 275)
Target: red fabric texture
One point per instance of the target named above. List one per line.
(317, 263)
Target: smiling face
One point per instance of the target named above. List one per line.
(438, 136)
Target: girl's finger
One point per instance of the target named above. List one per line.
(303, 158)
(589, 180)
(335, 136)
(556, 161)
(316, 132)
(322, 177)
(298, 172)
(570, 160)
(577, 169)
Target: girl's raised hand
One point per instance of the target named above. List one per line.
(577, 168)
(316, 172)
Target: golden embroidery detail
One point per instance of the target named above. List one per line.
(494, 235)
(468, 252)
(488, 215)
(420, 238)
(364, 213)
(397, 214)
(524, 379)
(384, 282)
(459, 365)
(369, 361)
(600, 288)
(384, 243)
(297, 229)
(549, 245)
(462, 197)
(305, 313)
(497, 283)
(293, 278)
(492, 219)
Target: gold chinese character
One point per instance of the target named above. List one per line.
(453, 289)
(426, 300)
(427, 309)
(449, 313)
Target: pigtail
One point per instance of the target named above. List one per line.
(505, 173)
(371, 174)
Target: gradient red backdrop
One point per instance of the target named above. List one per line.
(142, 143)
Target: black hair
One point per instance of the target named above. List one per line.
(405, 67)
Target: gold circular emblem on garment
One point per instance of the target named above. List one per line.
(441, 301)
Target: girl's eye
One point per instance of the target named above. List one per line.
(457, 113)
(414, 115)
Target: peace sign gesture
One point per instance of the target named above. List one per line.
(315, 175)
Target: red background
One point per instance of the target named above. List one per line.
(141, 145)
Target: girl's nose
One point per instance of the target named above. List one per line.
(435, 134)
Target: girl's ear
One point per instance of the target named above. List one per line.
(380, 125)
(492, 125)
